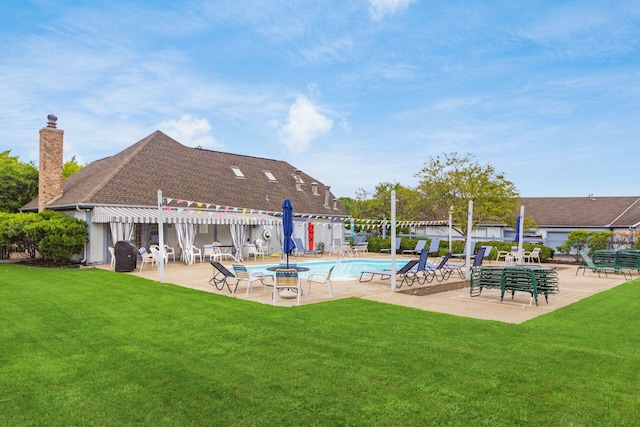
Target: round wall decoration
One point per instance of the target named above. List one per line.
(266, 234)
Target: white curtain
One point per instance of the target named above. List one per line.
(121, 231)
(186, 236)
(280, 234)
(238, 235)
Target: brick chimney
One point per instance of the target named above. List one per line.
(50, 179)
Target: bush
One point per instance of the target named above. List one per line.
(57, 237)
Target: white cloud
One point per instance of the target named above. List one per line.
(380, 8)
(192, 131)
(305, 122)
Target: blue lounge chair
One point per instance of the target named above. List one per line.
(417, 250)
(407, 272)
(301, 251)
(477, 262)
(438, 272)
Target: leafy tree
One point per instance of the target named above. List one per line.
(599, 240)
(576, 241)
(70, 167)
(378, 205)
(452, 180)
(18, 182)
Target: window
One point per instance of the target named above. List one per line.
(236, 170)
(270, 176)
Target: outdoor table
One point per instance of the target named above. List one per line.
(294, 267)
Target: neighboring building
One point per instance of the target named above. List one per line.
(215, 196)
(556, 217)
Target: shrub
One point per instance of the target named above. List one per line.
(56, 236)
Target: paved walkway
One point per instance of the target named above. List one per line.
(457, 302)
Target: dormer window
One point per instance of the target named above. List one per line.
(314, 188)
(297, 177)
(270, 176)
(236, 170)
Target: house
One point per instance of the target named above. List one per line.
(556, 217)
(210, 195)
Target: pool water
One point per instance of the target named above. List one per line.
(348, 268)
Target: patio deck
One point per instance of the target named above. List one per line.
(457, 302)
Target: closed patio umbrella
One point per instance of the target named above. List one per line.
(288, 244)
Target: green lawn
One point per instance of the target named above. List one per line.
(93, 347)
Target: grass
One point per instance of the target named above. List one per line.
(93, 347)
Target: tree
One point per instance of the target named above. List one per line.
(18, 182)
(453, 180)
(577, 240)
(378, 204)
(70, 167)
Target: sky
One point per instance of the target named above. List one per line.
(353, 92)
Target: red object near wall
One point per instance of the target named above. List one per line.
(310, 231)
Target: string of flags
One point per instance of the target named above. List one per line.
(200, 208)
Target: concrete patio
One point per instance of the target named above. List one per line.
(457, 302)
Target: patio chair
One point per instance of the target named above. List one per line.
(221, 276)
(438, 272)
(242, 273)
(155, 251)
(321, 277)
(208, 252)
(507, 254)
(361, 247)
(588, 264)
(169, 251)
(487, 251)
(434, 247)
(195, 252)
(464, 253)
(398, 242)
(407, 273)
(301, 251)
(420, 244)
(460, 268)
(346, 250)
(287, 279)
(532, 256)
(261, 248)
(112, 253)
(219, 255)
(147, 258)
(336, 246)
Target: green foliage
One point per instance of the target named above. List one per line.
(453, 181)
(57, 237)
(70, 167)
(378, 204)
(600, 240)
(18, 182)
(578, 240)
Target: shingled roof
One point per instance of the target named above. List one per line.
(574, 212)
(133, 176)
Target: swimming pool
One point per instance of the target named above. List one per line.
(345, 269)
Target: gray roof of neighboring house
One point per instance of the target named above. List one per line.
(574, 212)
(133, 176)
